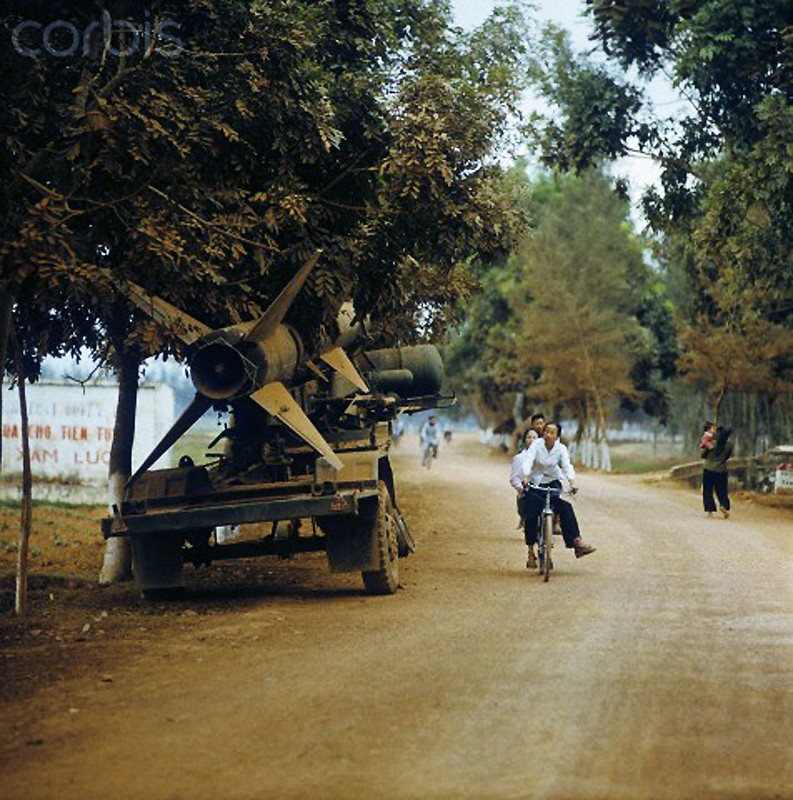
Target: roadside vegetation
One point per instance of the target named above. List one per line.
(691, 318)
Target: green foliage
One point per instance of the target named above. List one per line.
(468, 355)
(723, 211)
(573, 306)
(597, 111)
(209, 172)
(574, 317)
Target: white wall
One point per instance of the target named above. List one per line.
(71, 428)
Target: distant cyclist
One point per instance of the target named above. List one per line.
(429, 439)
(397, 431)
(544, 464)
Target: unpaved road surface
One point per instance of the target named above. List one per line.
(658, 667)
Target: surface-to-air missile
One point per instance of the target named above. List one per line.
(309, 440)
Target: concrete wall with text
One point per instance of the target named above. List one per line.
(71, 429)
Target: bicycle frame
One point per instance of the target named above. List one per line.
(428, 452)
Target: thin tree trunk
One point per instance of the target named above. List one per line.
(26, 513)
(117, 562)
(6, 304)
(603, 444)
(718, 402)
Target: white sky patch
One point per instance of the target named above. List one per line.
(666, 100)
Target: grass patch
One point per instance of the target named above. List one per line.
(196, 446)
(65, 540)
(636, 458)
(15, 505)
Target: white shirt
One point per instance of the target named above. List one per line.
(430, 434)
(516, 471)
(541, 465)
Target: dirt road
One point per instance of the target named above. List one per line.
(659, 667)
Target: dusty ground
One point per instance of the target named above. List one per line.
(659, 667)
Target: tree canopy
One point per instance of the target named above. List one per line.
(724, 202)
(574, 319)
(206, 150)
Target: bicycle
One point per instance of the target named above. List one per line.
(429, 451)
(545, 535)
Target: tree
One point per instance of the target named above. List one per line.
(574, 311)
(26, 512)
(726, 173)
(366, 128)
(574, 319)
(486, 387)
(208, 165)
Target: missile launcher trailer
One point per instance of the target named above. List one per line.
(309, 441)
(267, 473)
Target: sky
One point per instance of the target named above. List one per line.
(568, 14)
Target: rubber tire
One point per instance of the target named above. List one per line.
(405, 542)
(385, 579)
(547, 536)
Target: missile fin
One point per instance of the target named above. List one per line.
(187, 328)
(276, 311)
(189, 417)
(340, 361)
(275, 399)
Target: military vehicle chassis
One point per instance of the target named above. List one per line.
(172, 516)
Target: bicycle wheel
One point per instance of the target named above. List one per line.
(547, 544)
(540, 544)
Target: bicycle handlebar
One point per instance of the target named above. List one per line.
(550, 489)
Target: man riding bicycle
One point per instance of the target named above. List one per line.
(543, 464)
(429, 438)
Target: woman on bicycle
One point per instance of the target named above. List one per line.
(544, 463)
(516, 470)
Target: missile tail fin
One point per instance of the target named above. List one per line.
(189, 417)
(275, 399)
(187, 328)
(276, 311)
(340, 361)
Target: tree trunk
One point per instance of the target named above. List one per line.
(6, 304)
(604, 456)
(717, 403)
(26, 513)
(117, 562)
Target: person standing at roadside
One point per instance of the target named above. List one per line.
(715, 475)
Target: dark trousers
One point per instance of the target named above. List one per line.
(714, 481)
(533, 502)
